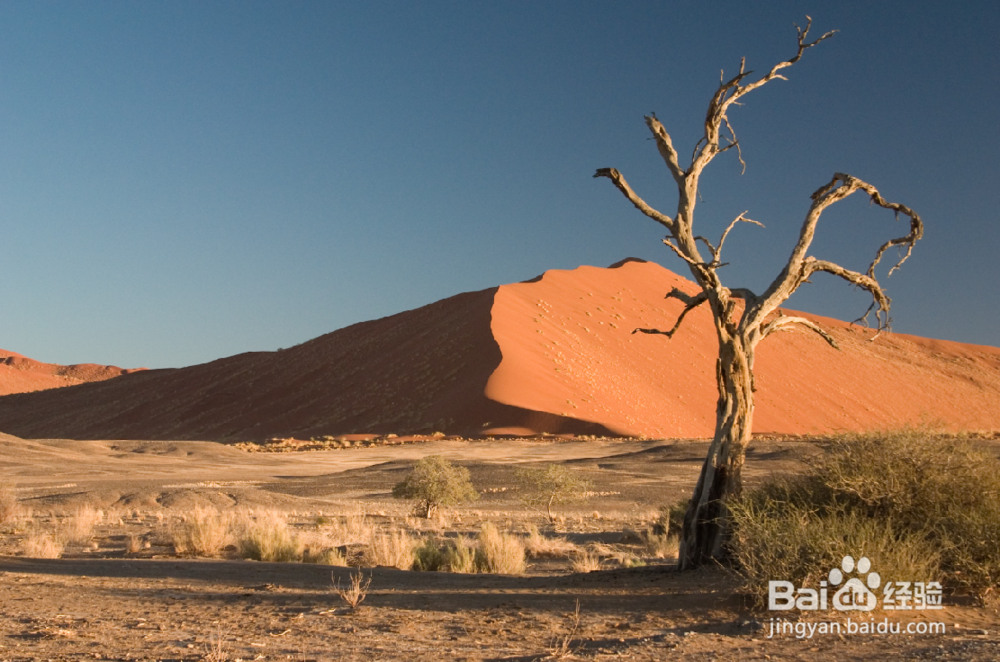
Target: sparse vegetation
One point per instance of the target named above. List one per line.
(550, 485)
(541, 546)
(8, 503)
(586, 561)
(922, 507)
(435, 482)
(355, 592)
(498, 552)
(394, 549)
(42, 545)
(202, 532)
(79, 528)
(267, 537)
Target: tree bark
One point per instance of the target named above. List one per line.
(706, 528)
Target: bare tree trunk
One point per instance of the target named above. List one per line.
(706, 523)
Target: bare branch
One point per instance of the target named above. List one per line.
(691, 304)
(731, 91)
(640, 204)
(666, 147)
(741, 218)
(800, 267)
(682, 255)
(880, 301)
(782, 323)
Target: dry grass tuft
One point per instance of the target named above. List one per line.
(79, 528)
(499, 553)
(266, 536)
(8, 504)
(42, 545)
(538, 545)
(391, 548)
(586, 561)
(202, 532)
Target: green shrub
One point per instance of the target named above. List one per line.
(435, 482)
(918, 505)
(550, 485)
(450, 555)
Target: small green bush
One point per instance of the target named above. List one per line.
(919, 505)
(435, 482)
(550, 485)
(450, 555)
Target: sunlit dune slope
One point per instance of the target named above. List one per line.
(19, 374)
(568, 348)
(555, 354)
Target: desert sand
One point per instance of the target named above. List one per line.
(555, 354)
(19, 374)
(101, 601)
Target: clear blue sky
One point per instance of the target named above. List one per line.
(182, 181)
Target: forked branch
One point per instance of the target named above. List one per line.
(691, 302)
(729, 92)
(800, 266)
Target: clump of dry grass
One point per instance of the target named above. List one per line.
(538, 545)
(134, 544)
(352, 529)
(202, 532)
(390, 548)
(500, 553)
(327, 556)
(42, 545)
(266, 536)
(8, 503)
(586, 561)
(79, 527)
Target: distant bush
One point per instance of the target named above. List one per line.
(918, 505)
(435, 482)
(550, 485)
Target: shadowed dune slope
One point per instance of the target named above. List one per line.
(422, 370)
(555, 354)
(19, 374)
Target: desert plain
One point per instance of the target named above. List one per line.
(113, 463)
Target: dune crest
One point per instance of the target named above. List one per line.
(19, 374)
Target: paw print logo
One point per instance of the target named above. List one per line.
(854, 595)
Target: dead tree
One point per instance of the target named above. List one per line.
(740, 327)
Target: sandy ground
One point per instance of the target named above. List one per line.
(99, 602)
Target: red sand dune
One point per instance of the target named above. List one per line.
(19, 374)
(555, 354)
